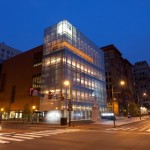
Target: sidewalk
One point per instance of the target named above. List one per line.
(80, 125)
(122, 120)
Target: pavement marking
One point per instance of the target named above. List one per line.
(126, 129)
(34, 136)
(6, 138)
(11, 139)
(132, 129)
(148, 130)
(143, 129)
(4, 142)
(7, 133)
(22, 137)
(112, 129)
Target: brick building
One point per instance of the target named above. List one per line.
(19, 73)
(141, 73)
(118, 69)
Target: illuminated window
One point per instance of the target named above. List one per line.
(36, 81)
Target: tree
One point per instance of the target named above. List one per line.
(134, 109)
(26, 112)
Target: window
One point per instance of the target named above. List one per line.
(36, 81)
(3, 50)
(2, 55)
(37, 60)
(8, 52)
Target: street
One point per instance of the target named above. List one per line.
(134, 136)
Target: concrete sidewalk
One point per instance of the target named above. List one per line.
(80, 124)
(121, 120)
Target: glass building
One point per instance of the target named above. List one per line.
(70, 55)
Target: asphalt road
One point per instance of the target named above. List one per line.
(135, 136)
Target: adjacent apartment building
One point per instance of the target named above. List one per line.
(118, 69)
(67, 54)
(7, 52)
(141, 72)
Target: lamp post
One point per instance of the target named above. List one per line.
(33, 108)
(1, 113)
(112, 91)
(122, 84)
(139, 105)
(67, 83)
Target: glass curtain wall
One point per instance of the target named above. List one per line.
(69, 55)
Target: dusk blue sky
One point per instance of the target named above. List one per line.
(124, 23)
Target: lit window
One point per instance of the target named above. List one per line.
(78, 65)
(73, 63)
(58, 60)
(69, 61)
(47, 63)
(53, 61)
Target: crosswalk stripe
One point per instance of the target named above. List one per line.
(22, 137)
(148, 130)
(46, 134)
(7, 133)
(11, 139)
(126, 129)
(132, 129)
(143, 129)
(34, 136)
(4, 142)
(129, 129)
(7, 137)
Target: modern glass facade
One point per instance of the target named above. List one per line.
(69, 55)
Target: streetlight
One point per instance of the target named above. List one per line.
(32, 115)
(1, 113)
(33, 107)
(139, 105)
(144, 94)
(67, 83)
(113, 105)
(122, 83)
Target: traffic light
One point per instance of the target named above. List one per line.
(62, 97)
(70, 107)
(50, 95)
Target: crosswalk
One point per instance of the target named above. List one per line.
(6, 138)
(144, 129)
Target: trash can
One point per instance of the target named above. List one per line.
(63, 121)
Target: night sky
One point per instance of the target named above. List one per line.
(124, 23)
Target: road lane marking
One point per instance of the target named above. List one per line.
(11, 139)
(148, 130)
(132, 129)
(143, 129)
(6, 138)
(36, 136)
(126, 129)
(22, 137)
